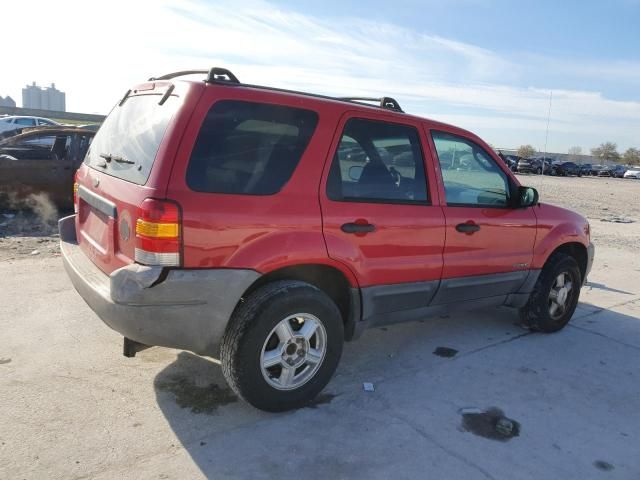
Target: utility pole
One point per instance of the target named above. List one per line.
(546, 137)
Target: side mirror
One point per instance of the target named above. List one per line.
(355, 172)
(527, 197)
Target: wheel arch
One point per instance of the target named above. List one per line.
(576, 250)
(331, 280)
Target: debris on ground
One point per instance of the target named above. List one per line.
(445, 352)
(368, 387)
(617, 219)
(602, 465)
(505, 427)
(470, 410)
(491, 424)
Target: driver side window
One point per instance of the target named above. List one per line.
(471, 177)
(378, 162)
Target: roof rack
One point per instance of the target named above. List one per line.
(214, 75)
(224, 76)
(384, 102)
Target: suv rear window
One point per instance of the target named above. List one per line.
(249, 148)
(132, 134)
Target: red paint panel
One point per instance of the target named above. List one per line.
(557, 226)
(260, 232)
(503, 244)
(407, 243)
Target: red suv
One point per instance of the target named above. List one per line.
(265, 227)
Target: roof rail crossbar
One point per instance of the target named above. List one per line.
(181, 73)
(384, 102)
(214, 75)
(221, 75)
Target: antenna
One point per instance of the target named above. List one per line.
(546, 136)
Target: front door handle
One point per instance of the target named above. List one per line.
(357, 228)
(467, 227)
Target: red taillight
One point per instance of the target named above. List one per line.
(158, 233)
(75, 192)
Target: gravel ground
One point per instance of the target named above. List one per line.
(24, 234)
(605, 202)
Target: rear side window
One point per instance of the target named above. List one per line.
(249, 148)
(127, 142)
(378, 162)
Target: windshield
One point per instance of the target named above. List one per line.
(127, 142)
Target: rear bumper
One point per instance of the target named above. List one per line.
(185, 309)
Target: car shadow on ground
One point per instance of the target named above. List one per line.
(335, 435)
(602, 286)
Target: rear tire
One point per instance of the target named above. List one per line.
(555, 295)
(266, 356)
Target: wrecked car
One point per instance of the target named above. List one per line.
(41, 160)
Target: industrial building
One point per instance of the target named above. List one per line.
(43, 98)
(7, 101)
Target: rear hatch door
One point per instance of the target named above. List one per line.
(129, 160)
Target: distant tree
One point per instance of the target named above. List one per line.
(606, 152)
(526, 151)
(631, 156)
(574, 153)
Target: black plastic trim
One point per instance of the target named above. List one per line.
(395, 303)
(358, 228)
(353, 325)
(479, 286)
(381, 303)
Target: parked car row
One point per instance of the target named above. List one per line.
(633, 172)
(564, 169)
(533, 165)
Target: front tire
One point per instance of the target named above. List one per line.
(555, 295)
(282, 345)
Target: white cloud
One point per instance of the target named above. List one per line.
(118, 43)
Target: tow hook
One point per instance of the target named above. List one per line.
(131, 347)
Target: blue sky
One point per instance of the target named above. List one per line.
(586, 34)
(485, 65)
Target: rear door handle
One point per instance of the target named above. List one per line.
(357, 228)
(467, 227)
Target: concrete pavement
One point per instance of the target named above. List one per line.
(73, 407)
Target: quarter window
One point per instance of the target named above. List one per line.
(378, 162)
(249, 148)
(471, 177)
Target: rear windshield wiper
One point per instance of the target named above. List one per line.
(108, 157)
(115, 158)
